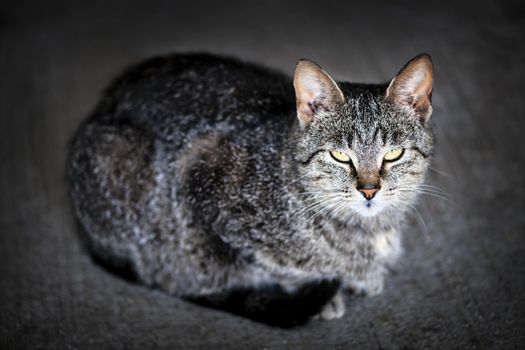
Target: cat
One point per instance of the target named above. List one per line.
(208, 176)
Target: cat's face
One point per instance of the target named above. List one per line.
(366, 150)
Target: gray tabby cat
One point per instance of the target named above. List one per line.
(205, 174)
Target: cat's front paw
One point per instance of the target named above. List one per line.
(335, 308)
(371, 285)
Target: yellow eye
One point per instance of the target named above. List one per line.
(340, 156)
(394, 154)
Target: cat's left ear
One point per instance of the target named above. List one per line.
(315, 91)
(412, 86)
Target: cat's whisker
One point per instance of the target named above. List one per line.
(432, 187)
(340, 207)
(310, 207)
(429, 193)
(429, 186)
(317, 203)
(414, 209)
(321, 195)
(435, 195)
(424, 190)
(332, 206)
(316, 195)
(318, 192)
(440, 172)
(424, 186)
(296, 180)
(319, 208)
(329, 205)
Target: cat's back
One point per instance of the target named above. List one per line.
(198, 91)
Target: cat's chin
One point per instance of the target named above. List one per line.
(369, 211)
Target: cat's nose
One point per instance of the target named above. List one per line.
(368, 190)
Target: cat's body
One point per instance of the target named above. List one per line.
(195, 171)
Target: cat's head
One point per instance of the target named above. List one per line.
(363, 148)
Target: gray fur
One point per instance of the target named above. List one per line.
(194, 170)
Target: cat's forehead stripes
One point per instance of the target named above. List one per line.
(366, 123)
(365, 136)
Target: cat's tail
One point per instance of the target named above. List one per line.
(272, 304)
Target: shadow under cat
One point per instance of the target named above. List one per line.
(270, 304)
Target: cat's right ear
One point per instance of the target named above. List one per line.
(315, 91)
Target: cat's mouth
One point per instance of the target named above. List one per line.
(369, 208)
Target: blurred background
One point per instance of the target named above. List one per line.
(460, 283)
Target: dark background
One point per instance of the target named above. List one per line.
(460, 283)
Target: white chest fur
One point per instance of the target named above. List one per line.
(387, 245)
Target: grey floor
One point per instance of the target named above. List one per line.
(461, 281)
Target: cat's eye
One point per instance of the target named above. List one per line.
(340, 156)
(394, 154)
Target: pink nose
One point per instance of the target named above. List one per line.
(368, 193)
